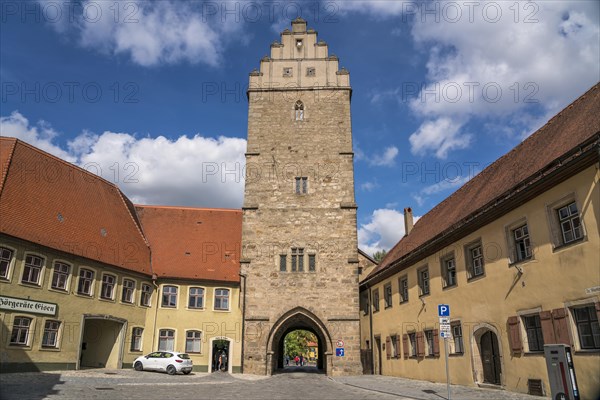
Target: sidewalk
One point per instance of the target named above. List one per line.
(423, 390)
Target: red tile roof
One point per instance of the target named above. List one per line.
(193, 243)
(48, 201)
(574, 125)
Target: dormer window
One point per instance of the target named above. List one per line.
(299, 110)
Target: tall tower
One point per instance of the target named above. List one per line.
(299, 238)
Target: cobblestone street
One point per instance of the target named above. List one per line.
(129, 384)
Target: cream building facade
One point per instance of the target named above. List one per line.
(514, 253)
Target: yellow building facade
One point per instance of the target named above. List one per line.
(88, 280)
(520, 272)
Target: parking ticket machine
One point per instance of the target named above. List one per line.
(561, 372)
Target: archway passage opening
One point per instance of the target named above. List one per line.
(300, 334)
(301, 351)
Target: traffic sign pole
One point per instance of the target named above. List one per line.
(447, 370)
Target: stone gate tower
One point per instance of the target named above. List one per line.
(300, 260)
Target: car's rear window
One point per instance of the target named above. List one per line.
(184, 356)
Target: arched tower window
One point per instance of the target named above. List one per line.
(299, 110)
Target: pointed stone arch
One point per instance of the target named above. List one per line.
(297, 318)
(299, 111)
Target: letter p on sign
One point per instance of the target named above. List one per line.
(443, 310)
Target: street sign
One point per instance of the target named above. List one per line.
(339, 352)
(443, 310)
(339, 343)
(444, 320)
(446, 335)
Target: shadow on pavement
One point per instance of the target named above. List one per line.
(305, 369)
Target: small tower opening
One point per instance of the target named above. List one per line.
(299, 109)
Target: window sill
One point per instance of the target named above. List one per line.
(107, 300)
(57, 290)
(476, 278)
(168, 308)
(404, 302)
(84, 295)
(127, 303)
(219, 310)
(30, 285)
(456, 354)
(533, 353)
(582, 352)
(387, 307)
(51, 349)
(195, 308)
(520, 262)
(448, 287)
(424, 295)
(563, 246)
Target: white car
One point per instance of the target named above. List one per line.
(169, 361)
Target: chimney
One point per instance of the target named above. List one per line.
(408, 220)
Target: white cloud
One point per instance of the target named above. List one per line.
(369, 186)
(439, 136)
(189, 171)
(533, 58)
(150, 32)
(41, 136)
(384, 229)
(444, 185)
(385, 159)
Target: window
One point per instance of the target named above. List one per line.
(84, 286)
(128, 288)
(312, 262)
(375, 300)
(20, 331)
(32, 270)
(395, 353)
(166, 339)
(474, 256)
(457, 338)
(108, 287)
(136, 339)
(301, 185)
(288, 72)
(146, 295)
(60, 276)
(387, 295)
(196, 299)
(6, 256)
(169, 297)
(533, 328)
(522, 243)
(588, 329)
(449, 272)
(310, 71)
(192, 341)
(570, 224)
(412, 338)
(429, 338)
(299, 111)
(403, 285)
(221, 299)
(282, 262)
(297, 259)
(364, 302)
(50, 337)
(424, 281)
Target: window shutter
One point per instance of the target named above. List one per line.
(436, 343)
(598, 310)
(398, 344)
(420, 345)
(514, 334)
(547, 327)
(561, 326)
(405, 346)
(388, 348)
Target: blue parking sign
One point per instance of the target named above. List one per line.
(443, 310)
(339, 352)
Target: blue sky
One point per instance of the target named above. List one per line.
(152, 94)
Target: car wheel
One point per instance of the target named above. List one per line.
(138, 366)
(187, 372)
(171, 370)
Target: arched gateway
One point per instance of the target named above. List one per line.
(299, 264)
(298, 318)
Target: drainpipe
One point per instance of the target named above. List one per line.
(243, 321)
(371, 331)
(154, 278)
